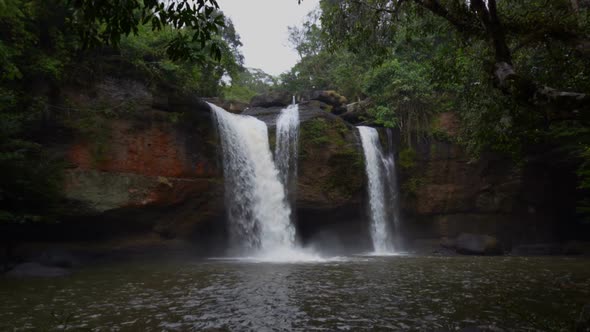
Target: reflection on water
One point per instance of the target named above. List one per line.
(398, 293)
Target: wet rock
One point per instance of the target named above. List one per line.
(336, 101)
(32, 269)
(476, 244)
(174, 101)
(331, 168)
(329, 97)
(272, 99)
(307, 111)
(317, 104)
(160, 150)
(356, 112)
(231, 106)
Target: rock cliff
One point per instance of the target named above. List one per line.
(330, 187)
(446, 193)
(140, 161)
(144, 162)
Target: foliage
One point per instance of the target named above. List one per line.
(106, 22)
(315, 132)
(433, 56)
(248, 83)
(412, 185)
(446, 52)
(147, 52)
(344, 180)
(403, 94)
(320, 69)
(407, 158)
(33, 53)
(31, 183)
(183, 45)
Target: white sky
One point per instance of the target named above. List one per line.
(262, 26)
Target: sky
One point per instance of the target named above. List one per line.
(262, 26)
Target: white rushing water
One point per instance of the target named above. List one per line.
(392, 190)
(375, 166)
(287, 148)
(258, 212)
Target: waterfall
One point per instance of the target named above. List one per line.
(287, 140)
(380, 172)
(391, 181)
(259, 214)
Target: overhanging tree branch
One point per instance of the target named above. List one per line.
(436, 8)
(506, 78)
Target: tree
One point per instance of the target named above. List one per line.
(504, 26)
(105, 22)
(516, 72)
(186, 44)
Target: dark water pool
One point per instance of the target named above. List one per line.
(355, 293)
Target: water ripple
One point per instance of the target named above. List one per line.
(355, 293)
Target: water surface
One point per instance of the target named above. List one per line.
(356, 293)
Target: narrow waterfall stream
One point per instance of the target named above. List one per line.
(392, 184)
(258, 212)
(286, 150)
(379, 175)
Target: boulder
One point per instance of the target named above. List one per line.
(477, 244)
(235, 106)
(37, 270)
(272, 99)
(356, 112)
(336, 101)
(329, 97)
(317, 104)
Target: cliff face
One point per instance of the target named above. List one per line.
(329, 195)
(140, 161)
(144, 162)
(445, 193)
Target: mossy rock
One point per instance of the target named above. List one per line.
(331, 162)
(347, 177)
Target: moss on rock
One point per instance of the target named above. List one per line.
(346, 179)
(331, 163)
